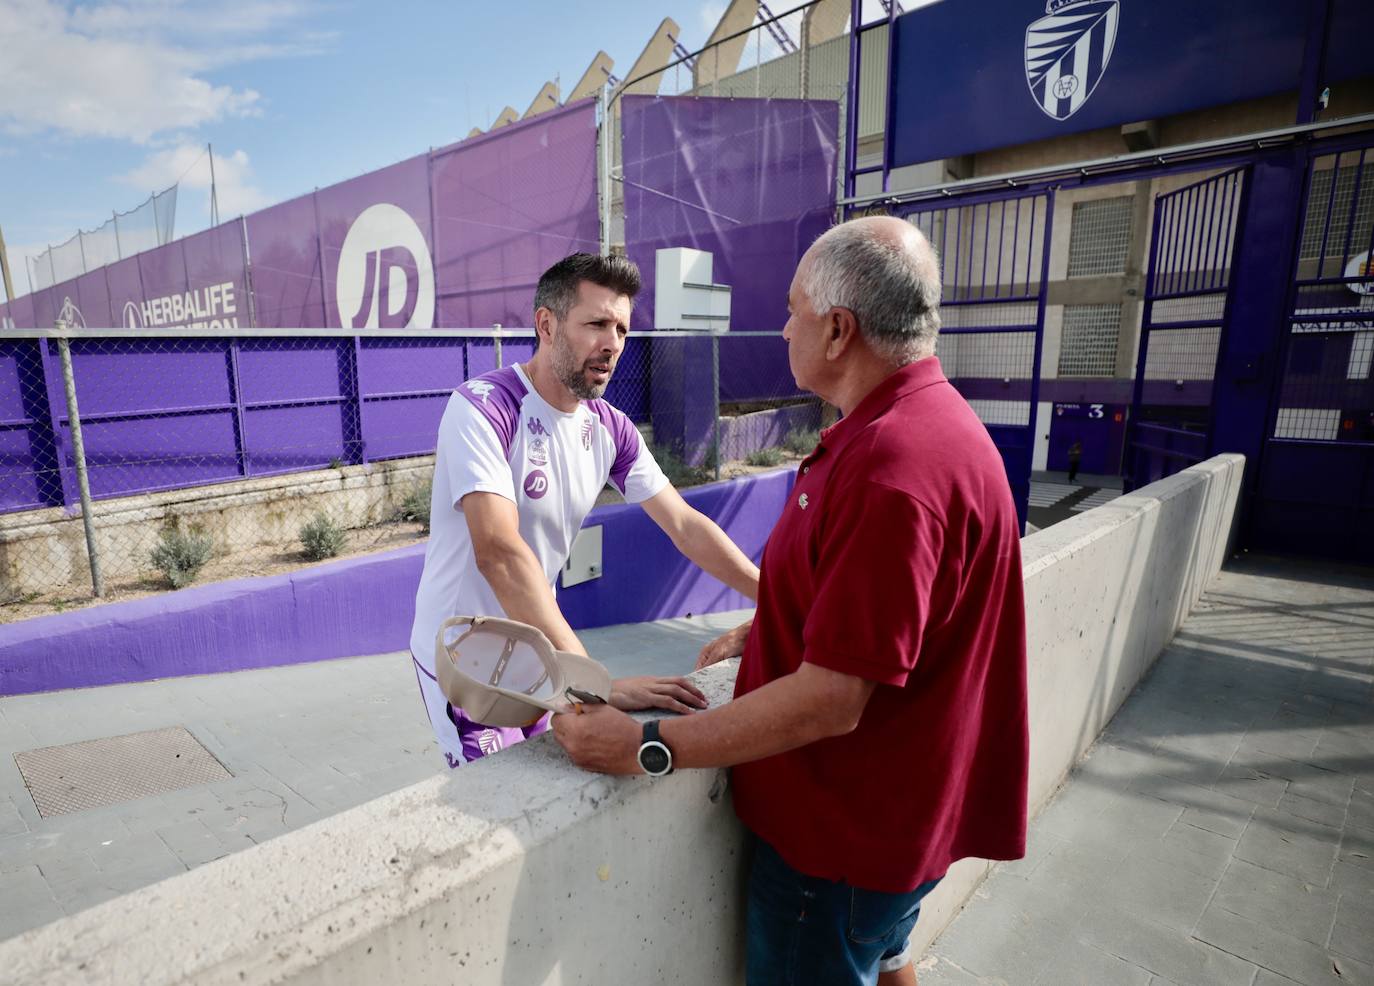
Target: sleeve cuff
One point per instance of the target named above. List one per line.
(882, 674)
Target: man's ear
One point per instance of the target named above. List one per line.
(543, 325)
(841, 332)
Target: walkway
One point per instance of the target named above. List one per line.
(300, 742)
(1222, 830)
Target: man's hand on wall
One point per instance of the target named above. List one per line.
(729, 644)
(648, 692)
(599, 738)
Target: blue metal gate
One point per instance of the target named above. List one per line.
(1187, 295)
(995, 256)
(1316, 475)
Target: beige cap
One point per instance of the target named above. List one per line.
(504, 673)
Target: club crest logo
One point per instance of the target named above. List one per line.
(70, 315)
(1067, 52)
(587, 435)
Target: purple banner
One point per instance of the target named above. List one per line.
(506, 206)
(752, 181)
(375, 231)
(288, 279)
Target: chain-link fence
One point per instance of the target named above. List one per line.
(164, 459)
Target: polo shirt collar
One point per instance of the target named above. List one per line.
(909, 379)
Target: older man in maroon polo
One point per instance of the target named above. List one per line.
(879, 728)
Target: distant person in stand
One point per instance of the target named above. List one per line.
(1075, 458)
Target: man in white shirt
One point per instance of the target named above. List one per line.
(522, 454)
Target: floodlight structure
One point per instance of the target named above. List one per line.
(656, 54)
(720, 58)
(546, 99)
(597, 75)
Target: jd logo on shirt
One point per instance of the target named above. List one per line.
(536, 484)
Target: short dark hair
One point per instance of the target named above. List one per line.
(558, 285)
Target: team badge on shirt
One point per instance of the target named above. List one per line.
(538, 452)
(802, 501)
(587, 435)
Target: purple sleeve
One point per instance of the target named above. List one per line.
(624, 435)
(497, 395)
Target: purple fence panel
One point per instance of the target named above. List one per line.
(47, 304)
(296, 395)
(375, 231)
(125, 284)
(216, 279)
(750, 180)
(288, 285)
(154, 414)
(92, 297)
(506, 206)
(28, 465)
(21, 312)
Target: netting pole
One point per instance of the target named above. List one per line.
(496, 338)
(79, 453)
(715, 397)
(605, 169)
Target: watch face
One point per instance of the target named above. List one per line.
(653, 757)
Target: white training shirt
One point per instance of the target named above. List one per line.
(499, 436)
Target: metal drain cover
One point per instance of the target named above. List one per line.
(109, 771)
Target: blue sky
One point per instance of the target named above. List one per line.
(103, 102)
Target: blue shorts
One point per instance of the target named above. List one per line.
(802, 929)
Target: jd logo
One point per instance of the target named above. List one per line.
(536, 484)
(1067, 52)
(385, 278)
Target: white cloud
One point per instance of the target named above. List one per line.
(134, 69)
(188, 162)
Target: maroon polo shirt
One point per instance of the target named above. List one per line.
(897, 559)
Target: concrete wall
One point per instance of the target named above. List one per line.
(44, 550)
(522, 870)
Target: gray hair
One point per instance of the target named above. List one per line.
(893, 290)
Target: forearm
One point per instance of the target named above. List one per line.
(711, 549)
(780, 716)
(524, 594)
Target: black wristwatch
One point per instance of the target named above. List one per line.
(654, 755)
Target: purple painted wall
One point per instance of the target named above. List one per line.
(365, 606)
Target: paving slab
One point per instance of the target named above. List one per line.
(1221, 831)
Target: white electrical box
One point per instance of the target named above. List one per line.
(685, 296)
(584, 560)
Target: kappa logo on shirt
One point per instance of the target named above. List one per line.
(481, 388)
(536, 427)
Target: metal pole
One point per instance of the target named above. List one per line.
(214, 197)
(496, 338)
(605, 170)
(5, 269)
(119, 248)
(715, 397)
(79, 452)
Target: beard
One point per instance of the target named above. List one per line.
(573, 374)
